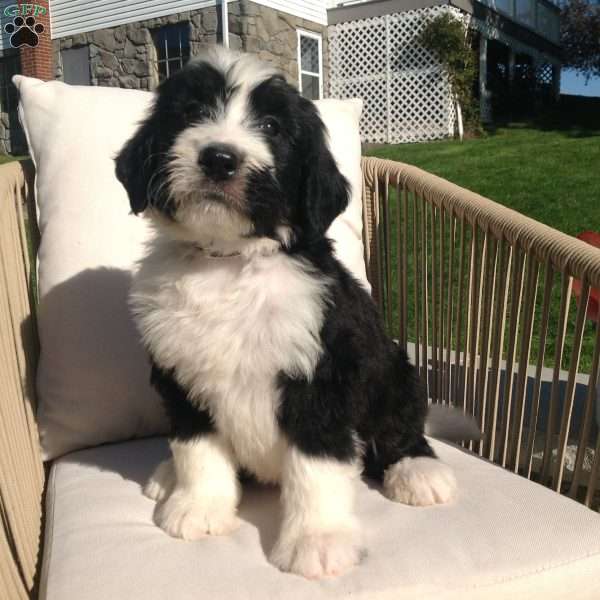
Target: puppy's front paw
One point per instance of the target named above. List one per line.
(420, 481)
(317, 555)
(191, 517)
(162, 481)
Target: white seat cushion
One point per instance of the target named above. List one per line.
(504, 537)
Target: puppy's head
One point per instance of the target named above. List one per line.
(230, 151)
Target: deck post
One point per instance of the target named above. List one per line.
(483, 92)
(511, 64)
(556, 83)
(224, 23)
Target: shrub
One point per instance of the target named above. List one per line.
(450, 40)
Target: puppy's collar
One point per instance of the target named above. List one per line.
(207, 253)
(253, 248)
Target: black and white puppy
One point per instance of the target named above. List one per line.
(269, 355)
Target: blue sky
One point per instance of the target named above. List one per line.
(571, 83)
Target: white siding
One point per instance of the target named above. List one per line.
(334, 3)
(77, 16)
(313, 10)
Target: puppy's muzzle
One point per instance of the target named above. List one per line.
(219, 162)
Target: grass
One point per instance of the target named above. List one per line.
(547, 170)
(551, 176)
(6, 158)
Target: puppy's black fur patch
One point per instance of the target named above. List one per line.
(363, 383)
(187, 420)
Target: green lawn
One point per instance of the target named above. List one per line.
(549, 174)
(5, 158)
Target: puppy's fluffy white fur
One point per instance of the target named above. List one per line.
(230, 325)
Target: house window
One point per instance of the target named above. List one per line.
(172, 44)
(310, 64)
(76, 65)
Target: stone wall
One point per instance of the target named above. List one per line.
(5, 141)
(124, 56)
(12, 138)
(272, 35)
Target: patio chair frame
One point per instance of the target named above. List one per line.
(463, 283)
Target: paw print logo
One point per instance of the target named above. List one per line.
(24, 32)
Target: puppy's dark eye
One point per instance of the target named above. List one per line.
(270, 126)
(195, 111)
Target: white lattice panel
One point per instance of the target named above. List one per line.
(544, 74)
(405, 92)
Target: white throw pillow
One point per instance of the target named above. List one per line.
(93, 375)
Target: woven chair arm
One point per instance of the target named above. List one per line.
(496, 308)
(21, 469)
(566, 253)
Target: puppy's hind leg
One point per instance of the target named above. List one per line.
(419, 481)
(396, 450)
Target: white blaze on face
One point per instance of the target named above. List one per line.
(231, 124)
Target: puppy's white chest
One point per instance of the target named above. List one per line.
(228, 327)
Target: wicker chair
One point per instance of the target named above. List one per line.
(465, 284)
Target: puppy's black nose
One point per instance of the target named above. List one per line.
(219, 162)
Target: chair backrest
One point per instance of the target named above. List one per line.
(21, 469)
(481, 296)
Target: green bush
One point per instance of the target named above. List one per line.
(450, 40)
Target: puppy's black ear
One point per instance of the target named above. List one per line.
(134, 166)
(326, 191)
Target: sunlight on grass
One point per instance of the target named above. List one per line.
(550, 176)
